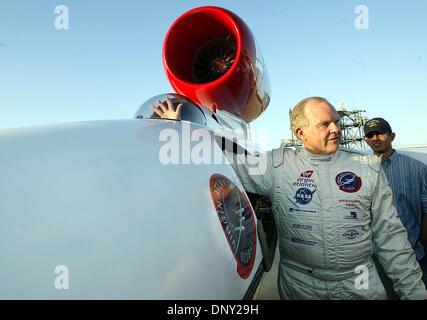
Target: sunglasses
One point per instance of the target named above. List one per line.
(370, 135)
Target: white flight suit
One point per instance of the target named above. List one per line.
(328, 211)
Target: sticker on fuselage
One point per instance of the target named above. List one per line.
(237, 220)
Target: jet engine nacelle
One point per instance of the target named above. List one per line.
(210, 56)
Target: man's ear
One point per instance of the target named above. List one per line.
(300, 133)
(392, 136)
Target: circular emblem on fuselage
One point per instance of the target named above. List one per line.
(237, 220)
(348, 181)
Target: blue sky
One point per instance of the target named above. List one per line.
(109, 60)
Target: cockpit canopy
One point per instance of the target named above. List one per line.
(190, 110)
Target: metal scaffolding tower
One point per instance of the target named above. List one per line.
(352, 123)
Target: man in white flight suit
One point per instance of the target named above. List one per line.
(330, 204)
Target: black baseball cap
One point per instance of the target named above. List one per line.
(377, 125)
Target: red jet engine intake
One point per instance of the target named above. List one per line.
(210, 56)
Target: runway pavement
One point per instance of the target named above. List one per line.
(268, 288)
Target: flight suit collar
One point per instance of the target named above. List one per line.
(318, 159)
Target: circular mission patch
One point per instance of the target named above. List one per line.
(237, 219)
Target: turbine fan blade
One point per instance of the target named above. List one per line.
(213, 60)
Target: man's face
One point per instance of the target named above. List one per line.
(322, 134)
(380, 142)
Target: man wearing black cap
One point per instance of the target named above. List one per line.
(408, 181)
(379, 136)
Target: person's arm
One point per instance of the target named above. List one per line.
(256, 173)
(392, 246)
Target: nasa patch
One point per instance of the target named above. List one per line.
(348, 181)
(304, 195)
(237, 220)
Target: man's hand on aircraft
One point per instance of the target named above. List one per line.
(167, 112)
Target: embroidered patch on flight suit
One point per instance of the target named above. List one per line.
(348, 181)
(349, 215)
(349, 234)
(304, 195)
(301, 211)
(304, 226)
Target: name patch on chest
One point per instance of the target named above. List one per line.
(304, 226)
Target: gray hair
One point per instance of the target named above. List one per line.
(298, 118)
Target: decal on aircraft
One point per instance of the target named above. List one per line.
(237, 220)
